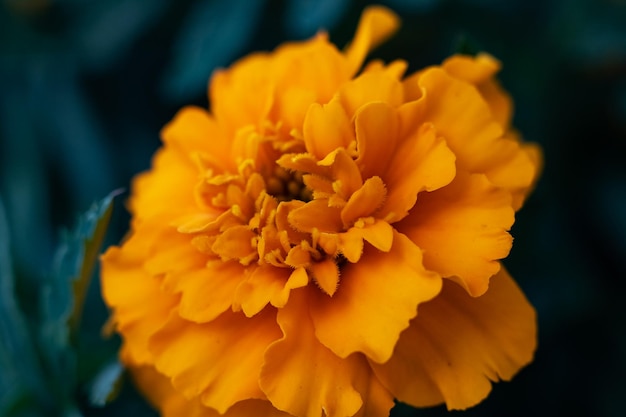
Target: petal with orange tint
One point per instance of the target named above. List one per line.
(171, 252)
(377, 127)
(365, 201)
(377, 402)
(171, 179)
(236, 242)
(207, 292)
(268, 284)
(304, 378)
(345, 172)
(316, 215)
(378, 233)
(422, 162)
(480, 71)
(194, 130)
(315, 66)
(517, 167)
(229, 91)
(355, 319)
(304, 162)
(377, 24)
(126, 288)
(159, 391)
(460, 115)
(326, 128)
(375, 86)
(475, 70)
(458, 344)
(326, 275)
(462, 229)
(217, 361)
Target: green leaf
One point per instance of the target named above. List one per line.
(20, 379)
(106, 384)
(63, 295)
(73, 266)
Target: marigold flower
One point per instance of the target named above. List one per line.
(327, 239)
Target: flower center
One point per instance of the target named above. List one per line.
(286, 186)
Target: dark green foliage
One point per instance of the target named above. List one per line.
(39, 362)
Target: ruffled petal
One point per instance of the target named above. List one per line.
(207, 292)
(377, 400)
(458, 345)
(126, 288)
(318, 215)
(462, 229)
(229, 92)
(518, 167)
(218, 361)
(422, 162)
(377, 128)
(304, 378)
(194, 130)
(461, 116)
(355, 320)
(315, 67)
(481, 144)
(160, 393)
(326, 128)
(376, 86)
(377, 24)
(171, 179)
(480, 71)
(365, 201)
(267, 284)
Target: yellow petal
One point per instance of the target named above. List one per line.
(193, 130)
(377, 402)
(365, 201)
(231, 101)
(218, 361)
(207, 292)
(172, 178)
(376, 25)
(375, 301)
(315, 66)
(422, 162)
(326, 128)
(458, 345)
(268, 284)
(345, 172)
(377, 128)
(237, 243)
(516, 167)
(461, 116)
(462, 229)
(326, 275)
(125, 287)
(480, 71)
(160, 393)
(316, 215)
(304, 378)
(377, 233)
(170, 252)
(376, 86)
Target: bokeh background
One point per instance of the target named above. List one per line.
(85, 87)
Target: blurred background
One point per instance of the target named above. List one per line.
(85, 87)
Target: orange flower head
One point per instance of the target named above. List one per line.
(327, 238)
